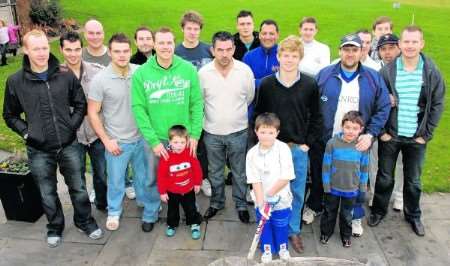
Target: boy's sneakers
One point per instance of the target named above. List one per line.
(92, 196)
(206, 187)
(195, 231)
(346, 243)
(170, 231)
(266, 257)
(94, 235)
(131, 194)
(53, 241)
(284, 254)
(309, 214)
(357, 229)
(397, 205)
(112, 223)
(324, 239)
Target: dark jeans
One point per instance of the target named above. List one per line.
(315, 198)
(3, 49)
(43, 167)
(333, 204)
(187, 201)
(202, 156)
(413, 158)
(96, 151)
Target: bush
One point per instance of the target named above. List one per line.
(45, 13)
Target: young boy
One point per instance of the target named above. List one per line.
(382, 25)
(269, 169)
(179, 179)
(344, 172)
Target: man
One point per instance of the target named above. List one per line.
(95, 51)
(419, 92)
(228, 88)
(192, 49)
(45, 106)
(317, 54)
(143, 38)
(387, 48)
(366, 39)
(246, 38)
(109, 110)
(88, 142)
(345, 86)
(294, 98)
(166, 92)
(382, 25)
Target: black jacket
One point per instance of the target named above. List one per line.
(139, 58)
(241, 49)
(431, 99)
(53, 109)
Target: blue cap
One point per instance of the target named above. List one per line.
(351, 39)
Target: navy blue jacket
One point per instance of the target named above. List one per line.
(374, 103)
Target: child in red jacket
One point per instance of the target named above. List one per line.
(179, 179)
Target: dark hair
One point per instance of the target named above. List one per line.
(178, 131)
(411, 28)
(222, 36)
(354, 117)
(70, 36)
(308, 20)
(381, 20)
(267, 119)
(142, 28)
(269, 22)
(191, 16)
(119, 38)
(244, 13)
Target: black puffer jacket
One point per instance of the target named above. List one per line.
(54, 109)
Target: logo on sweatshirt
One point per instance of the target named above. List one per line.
(167, 90)
(324, 98)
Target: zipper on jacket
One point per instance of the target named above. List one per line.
(52, 108)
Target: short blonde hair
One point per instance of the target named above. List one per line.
(291, 43)
(34, 33)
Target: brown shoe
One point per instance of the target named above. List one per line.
(297, 243)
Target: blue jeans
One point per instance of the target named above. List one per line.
(43, 166)
(234, 146)
(96, 151)
(300, 160)
(138, 155)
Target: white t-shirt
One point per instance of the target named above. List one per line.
(268, 166)
(316, 57)
(4, 37)
(369, 62)
(348, 101)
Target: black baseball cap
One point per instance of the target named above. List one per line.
(387, 39)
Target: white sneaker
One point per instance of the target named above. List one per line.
(357, 229)
(206, 187)
(266, 257)
(97, 234)
(92, 196)
(397, 205)
(284, 254)
(53, 241)
(248, 198)
(131, 194)
(308, 215)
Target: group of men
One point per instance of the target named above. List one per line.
(101, 103)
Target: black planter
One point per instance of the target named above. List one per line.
(20, 197)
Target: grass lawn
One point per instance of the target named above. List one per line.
(336, 18)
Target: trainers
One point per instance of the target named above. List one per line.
(170, 231)
(266, 257)
(397, 205)
(195, 231)
(131, 194)
(53, 241)
(308, 215)
(248, 197)
(324, 239)
(357, 229)
(346, 243)
(96, 234)
(112, 223)
(206, 187)
(92, 196)
(284, 254)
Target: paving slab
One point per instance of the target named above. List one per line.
(229, 213)
(441, 230)
(183, 257)
(128, 245)
(182, 239)
(32, 252)
(228, 236)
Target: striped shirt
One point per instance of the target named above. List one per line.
(408, 85)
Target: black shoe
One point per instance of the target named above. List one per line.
(101, 208)
(244, 216)
(374, 219)
(228, 180)
(210, 212)
(346, 243)
(417, 227)
(324, 239)
(147, 227)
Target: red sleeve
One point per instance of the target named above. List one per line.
(196, 171)
(161, 180)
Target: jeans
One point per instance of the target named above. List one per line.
(413, 158)
(187, 201)
(300, 160)
(315, 198)
(234, 146)
(43, 166)
(202, 156)
(3, 49)
(96, 151)
(328, 220)
(140, 158)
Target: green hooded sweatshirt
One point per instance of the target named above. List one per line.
(162, 98)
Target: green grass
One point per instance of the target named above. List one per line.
(336, 18)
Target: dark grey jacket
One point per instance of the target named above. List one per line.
(431, 99)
